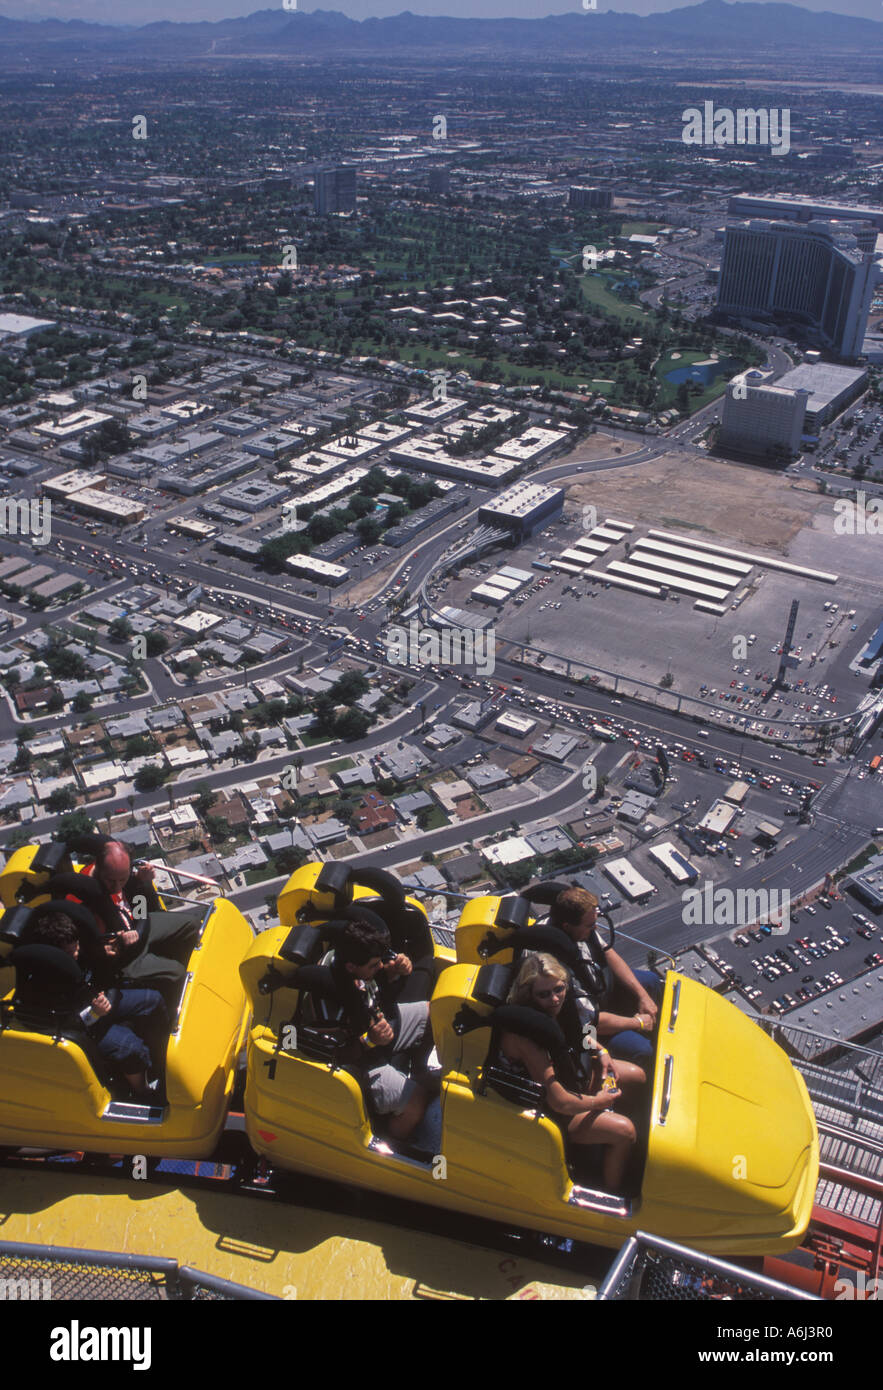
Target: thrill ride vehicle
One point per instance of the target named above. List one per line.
(57, 1091)
(729, 1143)
(730, 1146)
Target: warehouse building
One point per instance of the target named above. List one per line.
(630, 883)
(243, 547)
(523, 508)
(22, 325)
(829, 390)
(801, 209)
(425, 516)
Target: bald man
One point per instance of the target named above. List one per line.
(150, 947)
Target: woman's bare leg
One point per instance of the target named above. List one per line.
(628, 1074)
(615, 1132)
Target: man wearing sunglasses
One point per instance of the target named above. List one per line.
(627, 1002)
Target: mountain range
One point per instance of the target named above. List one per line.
(739, 30)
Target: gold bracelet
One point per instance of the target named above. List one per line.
(639, 1021)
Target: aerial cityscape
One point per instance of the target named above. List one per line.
(441, 552)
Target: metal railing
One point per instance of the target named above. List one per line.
(57, 1273)
(648, 1269)
(657, 951)
(174, 874)
(825, 1043)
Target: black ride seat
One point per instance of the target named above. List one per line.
(45, 979)
(407, 926)
(46, 975)
(510, 1080)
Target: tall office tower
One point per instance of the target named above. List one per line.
(590, 198)
(440, 180)
(814, 274)
(335, 190)
(762, 420)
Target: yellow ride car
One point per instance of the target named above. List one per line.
(57, 1094)
(730, 1147)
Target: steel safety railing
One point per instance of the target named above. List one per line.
(174, 873)
(30, 1273)
(648, 1269)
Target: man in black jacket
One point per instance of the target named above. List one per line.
(129, 1028)
(149, 946)
(367, 976)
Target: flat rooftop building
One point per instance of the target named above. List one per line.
(73, 425)
(523, 508)
(64, 485)
(801, 209)
(429, 456)
(324, 573)
(517, 724)
(532, 445)
(253, 496)
(718, 818)
(867, 884)
(830, 388)
(22, 325)
(630, 883)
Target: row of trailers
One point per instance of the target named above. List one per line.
(664, 562)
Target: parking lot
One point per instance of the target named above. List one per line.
(851, 441)
(728, 661)
(832, 943)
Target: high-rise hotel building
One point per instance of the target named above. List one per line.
(814, 273)
(335, 190)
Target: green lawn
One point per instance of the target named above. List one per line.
(594, 289)
(640, 228)
(686, 357)
(233, 258)
(727, 368)
(259, 875)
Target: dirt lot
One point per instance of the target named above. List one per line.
(733, 502)
(598, 446)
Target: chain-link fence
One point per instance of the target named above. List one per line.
(648, 1270)
(42, 1272)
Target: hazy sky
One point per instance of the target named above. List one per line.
(144, 11)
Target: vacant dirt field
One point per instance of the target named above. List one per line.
(731, 501)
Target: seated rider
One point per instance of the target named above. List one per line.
(627, 1003)
(582, 1104)
(367, 976)
(151, 947)
(130, 1031)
